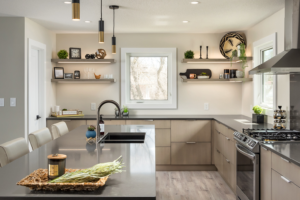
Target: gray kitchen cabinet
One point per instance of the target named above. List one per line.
(265, 173)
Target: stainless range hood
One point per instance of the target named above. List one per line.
(288, 61)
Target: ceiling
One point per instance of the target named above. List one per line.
(146, 16)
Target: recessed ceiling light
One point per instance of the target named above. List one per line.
(67, 2)
(88, 22)
(185, 21)
(194, 2)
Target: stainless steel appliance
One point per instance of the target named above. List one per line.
(248, 158)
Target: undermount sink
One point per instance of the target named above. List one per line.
(124, 137)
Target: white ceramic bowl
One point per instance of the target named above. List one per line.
(201, 77)
(239, 74)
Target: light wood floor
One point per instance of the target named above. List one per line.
(192, 185)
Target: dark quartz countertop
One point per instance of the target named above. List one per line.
(235, 122)
(137, 182)
(287, 150)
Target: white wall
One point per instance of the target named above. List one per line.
(272, 24)
(223, 98)
(12, 47)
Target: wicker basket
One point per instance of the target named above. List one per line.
(38, 180)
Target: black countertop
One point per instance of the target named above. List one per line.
(137, 182)
(235, 122)
(287, 150)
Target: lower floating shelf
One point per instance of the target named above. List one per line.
(83, 80)
(239, 80)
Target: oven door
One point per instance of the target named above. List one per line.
(247, 174)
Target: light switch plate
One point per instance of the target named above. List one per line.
(206, 106)
(93, 106)
(13, 102)
(1, 102)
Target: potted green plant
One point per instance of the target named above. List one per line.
(257, 116)
(62, 54)
(125, 111)
(91, 133)
(189, 54)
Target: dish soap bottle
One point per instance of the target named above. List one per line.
(101, 125)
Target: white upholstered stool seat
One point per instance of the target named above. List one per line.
(39, 138)
(59, 129)
(12, 150)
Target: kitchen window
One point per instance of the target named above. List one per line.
(149, 78)
(265, 84)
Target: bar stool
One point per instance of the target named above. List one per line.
(59, 129)
(39, 138)
(12, 150)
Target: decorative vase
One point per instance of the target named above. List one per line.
(239, 74)
(90, 134)
(87, 56)
(92, 56)
(260, 119)
(125, 113)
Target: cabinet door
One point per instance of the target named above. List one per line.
(220, 139)
(157, 123)
(229, 173)
(162, 137)
(265, 173)
(229, 149)
(191, 154)
(282, 189)
(72, 124)
(191, 131)
(218, 161)
(163, 155)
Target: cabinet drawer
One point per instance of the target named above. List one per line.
(163, 155)
(229, 149)
(286, 168)
(281, 189)
(229, 173)
(218, 161)
(157, 123)
(72, 124)
(229, 133)
(220, 128)
(106, 122)
(191, 131)
(162, 137)
(219, 141)
(191, 154)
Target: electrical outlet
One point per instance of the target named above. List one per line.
(93, 106)
(13, 102)
(1, 102)
(206, 107)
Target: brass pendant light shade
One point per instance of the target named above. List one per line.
(101, 27)
(114, 39)
(76, 10)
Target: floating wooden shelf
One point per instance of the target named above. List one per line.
(216, 60)
(222, 80)
(83, 80)
(86, 61)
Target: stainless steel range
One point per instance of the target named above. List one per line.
(248, 157)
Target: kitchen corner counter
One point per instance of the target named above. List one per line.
(235, 122)
(287, 150)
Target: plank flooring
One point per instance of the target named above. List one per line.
(192, 185)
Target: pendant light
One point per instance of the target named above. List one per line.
(114, 39)
(76, 10)
(101, 27)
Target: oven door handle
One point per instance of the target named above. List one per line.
(252, 157)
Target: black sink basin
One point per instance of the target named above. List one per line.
(124, 137)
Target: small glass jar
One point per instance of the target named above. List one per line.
(56, 165)
(277, 124)
(283, 124)
(283, 114)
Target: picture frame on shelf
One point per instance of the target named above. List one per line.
(74, 53)
(77, 74)
(68, 75)
(58, 72)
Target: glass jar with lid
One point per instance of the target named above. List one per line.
(283, 124)
(283, 114)
(277, 124)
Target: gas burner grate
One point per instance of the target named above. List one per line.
(272, 134)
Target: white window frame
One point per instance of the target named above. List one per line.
(171, 53)
(258, 47)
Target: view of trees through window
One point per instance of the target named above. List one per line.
(267, 80)
(149, 78)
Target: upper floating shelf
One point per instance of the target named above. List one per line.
(86, 61)
(214, 60)
(83, 80)
(239, 80)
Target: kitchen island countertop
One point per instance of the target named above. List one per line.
(137, 182)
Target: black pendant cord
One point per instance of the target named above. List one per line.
(114, 24)
(101, 10)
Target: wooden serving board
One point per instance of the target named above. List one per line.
(80, 115)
